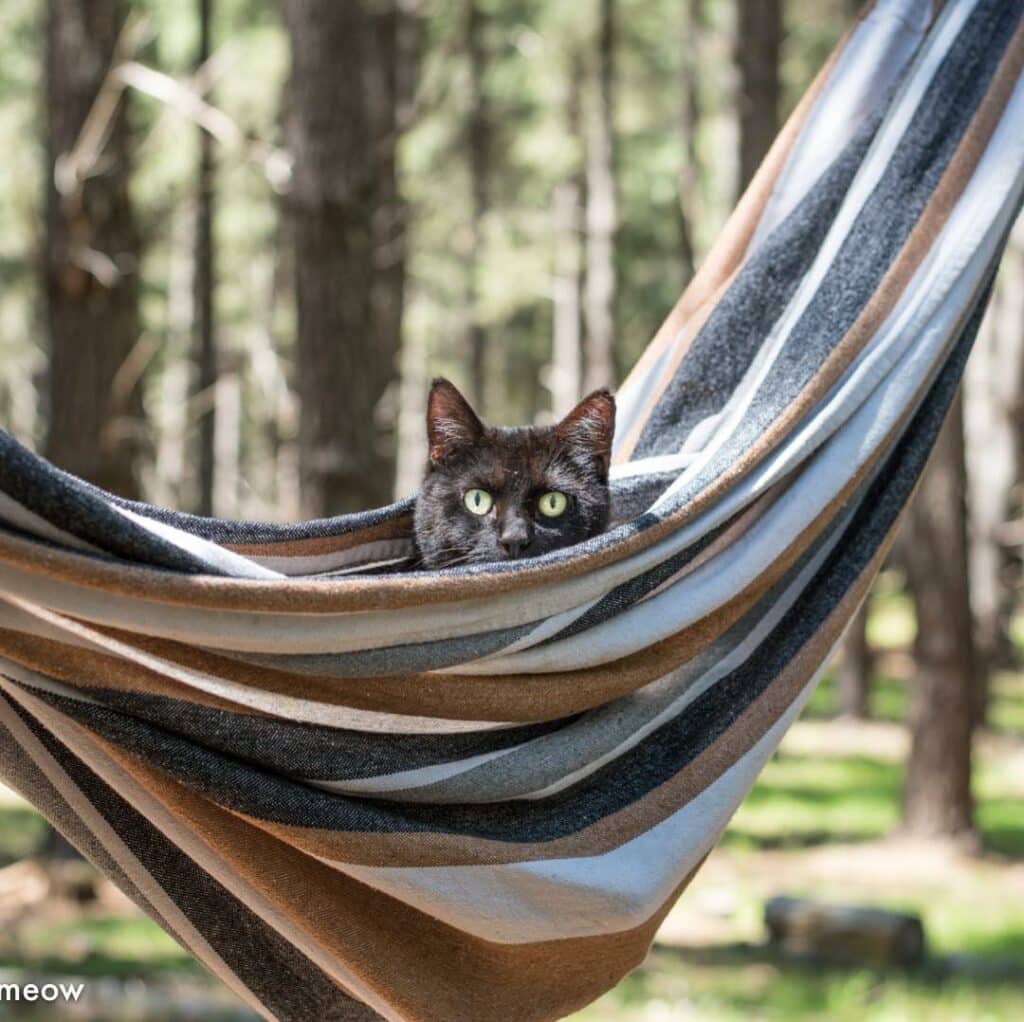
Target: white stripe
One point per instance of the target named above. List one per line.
(286, 707)
(28, 521)
(210, 553)
(123, 857)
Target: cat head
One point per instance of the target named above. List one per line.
(494, 494)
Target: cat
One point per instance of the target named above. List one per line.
(500, 494)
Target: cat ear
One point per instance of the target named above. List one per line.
(590, 426)
(451, 423)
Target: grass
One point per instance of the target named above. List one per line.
(91, 945)
(21, 832)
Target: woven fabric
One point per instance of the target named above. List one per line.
(354, 790)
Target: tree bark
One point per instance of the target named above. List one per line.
(689, 119)
(349, 74)
(937, 799)
(855, 667)
(91, 259)
(993, 388)
(601, 215)
(204, 340)
(759, 31)
(565, 379)
(478, 139)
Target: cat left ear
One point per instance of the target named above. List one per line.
(590, 427)
(452, 425)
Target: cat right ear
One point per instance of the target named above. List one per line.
(452, 425)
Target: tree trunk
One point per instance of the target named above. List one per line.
(855, 666)
(565, 377)
(937, 798)
(204, 341)
(601, 215)
(479, 149)
(993, 387)
(759, 29)
(689, 119)
(91, 259)
(349, 71)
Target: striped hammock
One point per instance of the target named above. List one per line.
(473, 794)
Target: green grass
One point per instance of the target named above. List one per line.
(747, 984)
(21, 832)
(799, 801)
(92, 946)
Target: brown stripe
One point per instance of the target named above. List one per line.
(79, 820)
(80, 667)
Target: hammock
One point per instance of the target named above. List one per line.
(473, 794)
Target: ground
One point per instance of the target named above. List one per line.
(821, 821)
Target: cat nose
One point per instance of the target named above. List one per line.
(513, 547)
(514, 538)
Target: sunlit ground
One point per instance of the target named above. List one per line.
(819, 822)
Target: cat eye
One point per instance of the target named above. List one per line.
(478, 502)
(553, 503)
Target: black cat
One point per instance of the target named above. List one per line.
(496, 494)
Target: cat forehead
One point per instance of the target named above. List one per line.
(507, 457)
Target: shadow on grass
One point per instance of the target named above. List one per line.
(753, 978)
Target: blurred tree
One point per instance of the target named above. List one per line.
(692, 12)
(856, 663)
(92, 252)
(937, 799)
(204, 339)
(601, 213)
(566, 371)
(993, 389)
(349, 79)
(856, 659)
(478, 150)
(759, 31)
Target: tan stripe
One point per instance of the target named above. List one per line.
(934, 217)
(733, 534)
(394, 528)
(80, 667)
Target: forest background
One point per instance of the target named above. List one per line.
(239, 237)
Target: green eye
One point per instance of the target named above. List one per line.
(553, 503)
(478, 502)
